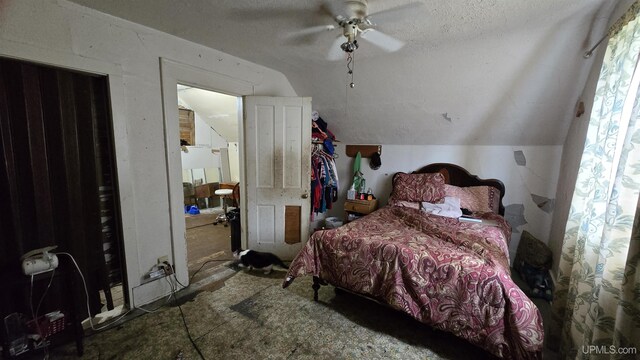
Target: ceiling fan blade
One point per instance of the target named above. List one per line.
(395, 13)
(311, 31)
(382, 40)
(335, 52)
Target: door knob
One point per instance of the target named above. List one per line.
(305, 195)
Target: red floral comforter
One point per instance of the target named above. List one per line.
(449, 274)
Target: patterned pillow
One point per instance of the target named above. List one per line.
(476, 198)
(418, 187)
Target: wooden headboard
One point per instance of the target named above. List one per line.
(458, 176)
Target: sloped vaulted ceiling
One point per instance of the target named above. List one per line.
(485, 72)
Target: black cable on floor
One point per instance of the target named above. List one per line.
(194, 274)
(176, 277)
(184, 320)
(201, 266)
(199, 226)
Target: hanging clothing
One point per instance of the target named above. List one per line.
(324, 180)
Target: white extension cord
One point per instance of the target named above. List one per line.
(166, 268)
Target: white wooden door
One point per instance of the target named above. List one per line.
(277, 138)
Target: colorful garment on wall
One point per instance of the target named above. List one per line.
(324, 180)
(324, 173)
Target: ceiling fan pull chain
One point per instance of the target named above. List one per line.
(351, 64)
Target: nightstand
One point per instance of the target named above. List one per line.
(358, 208)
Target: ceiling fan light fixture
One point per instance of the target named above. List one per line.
(352, 17)
(349, 46)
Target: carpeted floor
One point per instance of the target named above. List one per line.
(253, 317)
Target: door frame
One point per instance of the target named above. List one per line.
(173, 73)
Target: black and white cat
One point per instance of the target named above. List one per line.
(258, 260)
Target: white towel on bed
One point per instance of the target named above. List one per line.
(449, 208)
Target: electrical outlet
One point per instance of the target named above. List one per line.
(168, 269)
(163, 259)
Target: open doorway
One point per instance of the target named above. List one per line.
(209, 123)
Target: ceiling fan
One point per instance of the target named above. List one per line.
(354, 20)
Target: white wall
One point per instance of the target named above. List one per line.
(64, 34)
(539, 176)
(200, 157)
(234, 161)
(207, 136)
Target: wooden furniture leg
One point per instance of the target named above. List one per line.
(316, 287)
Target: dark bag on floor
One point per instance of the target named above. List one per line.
(533, 252)
(533, 261)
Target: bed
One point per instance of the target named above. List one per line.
(453, 275)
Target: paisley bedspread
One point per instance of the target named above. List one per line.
(449, 274)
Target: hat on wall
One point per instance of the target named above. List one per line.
(374, 161)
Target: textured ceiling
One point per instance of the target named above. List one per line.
(475, 72)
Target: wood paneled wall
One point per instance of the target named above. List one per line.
(57, 170)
